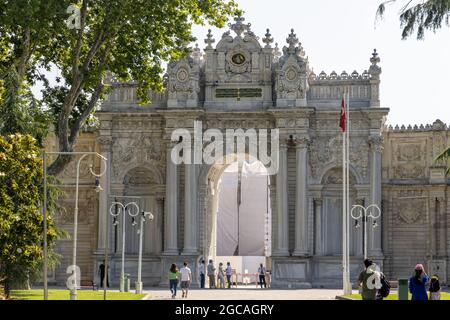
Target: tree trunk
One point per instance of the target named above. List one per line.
(59, 164)
(7, 288)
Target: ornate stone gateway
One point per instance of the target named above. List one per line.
(243, 84)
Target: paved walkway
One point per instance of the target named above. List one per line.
(246, 293)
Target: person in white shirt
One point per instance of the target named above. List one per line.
(201, 271)
(186, 278)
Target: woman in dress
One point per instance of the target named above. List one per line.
(417, 284)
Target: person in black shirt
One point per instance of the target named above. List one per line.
(101, 271)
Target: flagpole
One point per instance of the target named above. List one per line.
(348, 192)
(344, 198)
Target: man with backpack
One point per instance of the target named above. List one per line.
(373, 283)
(383, 292)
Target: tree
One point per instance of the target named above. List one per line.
(427, 15)
(21, 221)
(27, 33)
(129, 38)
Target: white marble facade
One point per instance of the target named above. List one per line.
(241, 83)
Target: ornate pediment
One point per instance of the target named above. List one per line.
(292, 73)
(183, 78)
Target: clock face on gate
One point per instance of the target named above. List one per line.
(238, 58)
(182, 75)
(291, 74)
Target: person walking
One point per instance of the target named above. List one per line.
(173, 280)
(201, 271)
(211, 274)
(221, 276)
(367, 280)
(417, 283)
(103, 274)
(186, 278)
(228, 273)
(262, 275)
(435, 288)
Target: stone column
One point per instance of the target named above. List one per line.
(190, 210)
(374, 234)
(159, 224)
(282, 243)
(442, 227)
(318, 227)
(301, 203)
(103, 207)
(170, 221)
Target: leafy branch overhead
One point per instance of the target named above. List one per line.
(129, 38)
(418, 17)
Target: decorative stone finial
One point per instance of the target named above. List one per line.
(209, 40)
(375, 58)
(375, 69)
(267, 39)
(292, 40)
(439, 125)
(196, 53)
(276, 52)
(239, 27)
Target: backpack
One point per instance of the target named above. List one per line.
(385, 287)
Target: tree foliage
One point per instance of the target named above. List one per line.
(426, 15)
(21, 220)
(129, 38)
(445, 157)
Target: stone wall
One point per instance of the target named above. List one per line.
(416, 200)
(87, 210)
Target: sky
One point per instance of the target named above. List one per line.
(341, 35)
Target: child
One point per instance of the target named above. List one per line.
(435, 288)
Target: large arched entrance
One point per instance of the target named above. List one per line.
(238, 226)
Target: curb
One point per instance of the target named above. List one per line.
(147, 297)
(343, 298)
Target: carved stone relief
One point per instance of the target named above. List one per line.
(140, 150)
(410, 210)
(409, 160)
(325, 151)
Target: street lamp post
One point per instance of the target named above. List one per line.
(372, 211)
(73, 290)
(138, 284)
(123, 208)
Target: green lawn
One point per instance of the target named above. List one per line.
(61, 294)
(393, 296)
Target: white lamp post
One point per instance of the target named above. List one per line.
(123, 208)
(98, 188)
(372, 211)
(150, 216)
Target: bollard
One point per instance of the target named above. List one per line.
(403, 289)
(127, 283)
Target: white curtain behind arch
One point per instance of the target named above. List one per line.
(247, 233)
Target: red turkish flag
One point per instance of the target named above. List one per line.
(343, 118)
